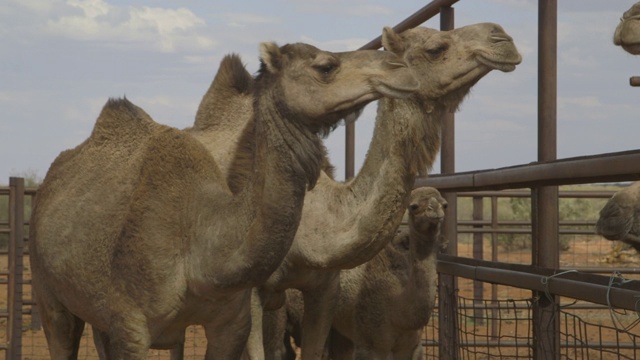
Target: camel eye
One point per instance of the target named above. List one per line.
(413, 207)
(436, 52)
(326, 69)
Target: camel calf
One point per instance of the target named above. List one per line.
(385, 303)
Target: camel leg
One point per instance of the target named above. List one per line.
(409, 347)
(228, 334)
(340, 347)
(177, 353)
(228, 341)
(319, 306)
(127, 338)
(255, 348)
(275, 337)
(62, 329)
(101, 342)
(367, 354)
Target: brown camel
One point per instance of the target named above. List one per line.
(627, 32)
(346, 224)
(385, 303)
(136, 231)
(620, 217)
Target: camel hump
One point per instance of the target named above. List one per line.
(229, 96)
(121, 120)
(232, 74)
(173, 159)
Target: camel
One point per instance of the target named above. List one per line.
(345, 224)
(137, 232)
(620, 217)
(385, 303)
(627, 34)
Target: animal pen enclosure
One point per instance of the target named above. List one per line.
(539, 305)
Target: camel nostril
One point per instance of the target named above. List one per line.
(396, 64)
(500, 37)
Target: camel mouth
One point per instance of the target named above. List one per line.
(633, 49)
(504, 66)
(396, 92)
(347, 107)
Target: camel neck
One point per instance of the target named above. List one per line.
(406, 140)
(423, 245)
(286, 157)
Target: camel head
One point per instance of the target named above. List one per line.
(620, 217)
(323, 87)
(426, 209)
(627, 32)
(449, 63)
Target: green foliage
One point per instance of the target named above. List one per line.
(520, 211)
(512, 212)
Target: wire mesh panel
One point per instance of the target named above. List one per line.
(498, 329)
(584, 340)
(501, 329)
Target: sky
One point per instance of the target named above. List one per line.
(61, 60)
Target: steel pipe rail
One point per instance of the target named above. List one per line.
(610, 167)
(596, 290)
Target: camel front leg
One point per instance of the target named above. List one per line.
(228, 333)
(319, 307)
(255, 347)
(409, 346)
(63, 331)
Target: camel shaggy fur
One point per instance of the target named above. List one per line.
(627, 32)
(136, 232)
(620, 217)
(385, 303)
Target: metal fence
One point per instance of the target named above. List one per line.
(493, 321)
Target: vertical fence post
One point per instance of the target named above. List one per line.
(544, 202)
(447, 284)
(478, 245)
(16, 250)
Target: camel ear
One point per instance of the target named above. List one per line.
(391, 41)
(270, 56)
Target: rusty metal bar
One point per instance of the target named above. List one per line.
(634, 81)
(609, 167)
(16, 268)
(615, 296)
(448, 284)
(478, 245)
(427, 12)
(544, 199)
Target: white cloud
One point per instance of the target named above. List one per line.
(91, 8)
(166, 29)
